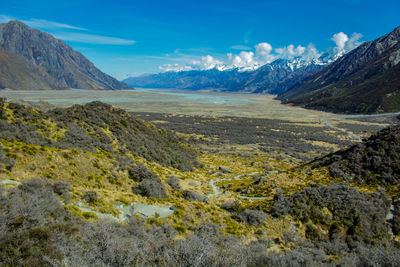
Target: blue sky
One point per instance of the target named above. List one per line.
(134, 37)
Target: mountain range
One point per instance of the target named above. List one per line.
(48, 63)
(273, 78)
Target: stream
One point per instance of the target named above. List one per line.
(126, 210)
(9, 182)
(342, 130)
(134, 208)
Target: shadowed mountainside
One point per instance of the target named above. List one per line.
(366, 80)
(17, 72)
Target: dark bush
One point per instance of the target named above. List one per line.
(6, 163)
(152, 188)
(139, 173)
(60, 187)
(395, 221)
(191, 195)
(90, 197)
(281, 204)
(251, 217)
(174, 182)
(231, 206)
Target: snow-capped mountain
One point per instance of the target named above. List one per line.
(274, 78)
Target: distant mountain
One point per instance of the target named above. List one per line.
(279, 76)
(366, 80)
(68, 67)
(274, 78)
(17, 72)
(227, 80)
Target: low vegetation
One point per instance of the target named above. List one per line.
(71, 180)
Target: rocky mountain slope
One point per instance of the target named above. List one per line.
(366, 80)
(68, 67)
(17, 72)
(273, 78)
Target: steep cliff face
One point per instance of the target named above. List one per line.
(17, 72)
(70, 68)
(366, 80)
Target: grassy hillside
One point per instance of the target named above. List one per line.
(73, 182)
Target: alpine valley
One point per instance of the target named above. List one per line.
(102, 175)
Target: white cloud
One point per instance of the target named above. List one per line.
(174, 67)
(290, 51)
(263, 49)
(41, 23)
(353, 42)
(244, 59)
(345, 44)
(311, 53)
(263, 53)
(340, 40)
(46, 24)
(5, 19)
(241, 47)
(91, 38)
(206, 63)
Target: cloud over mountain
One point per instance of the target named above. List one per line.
(263, 53)
(344, 43)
